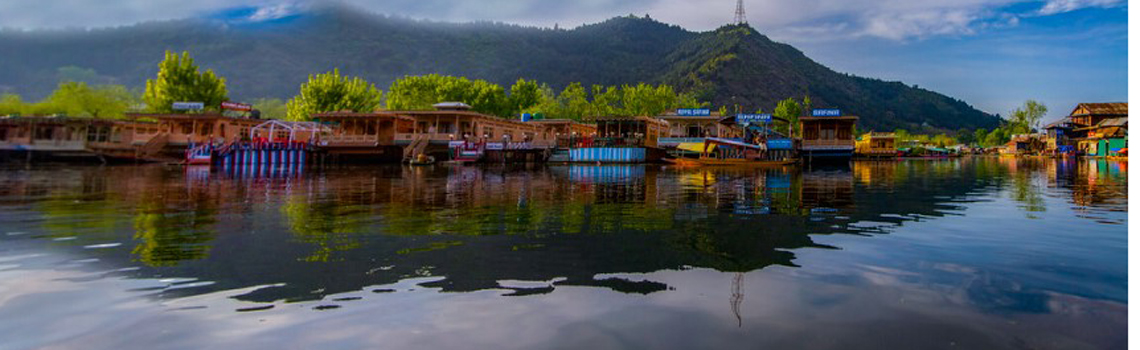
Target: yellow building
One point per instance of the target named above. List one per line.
(876, 145)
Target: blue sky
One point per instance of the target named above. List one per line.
(993, 54)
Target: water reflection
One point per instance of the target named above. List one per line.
(317, 234)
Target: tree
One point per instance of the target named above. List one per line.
(12, 104)
(419, 93)
(1027, 117)
(980, 136)
(790, 110)
(178, 80)
(79, 100)
(271, 108)
(525, 94)
(330, 92)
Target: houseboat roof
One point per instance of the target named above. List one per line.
(59, 120)
(202, 116)
(362, 115)
(452, 106)
(557, 121)
(880, 135)
(650, 120)
(1113, 108)
(1060, 124)
(846, 117)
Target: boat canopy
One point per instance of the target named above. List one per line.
(273, 126)
(732, 143)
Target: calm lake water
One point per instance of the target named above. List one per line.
(976, 253)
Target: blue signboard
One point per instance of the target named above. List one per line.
(753, 118)
(779, 144)
(526, 117)
(188, 106)
(694, 112)
(826, 113)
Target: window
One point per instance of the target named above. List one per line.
(3, 134)
(44, 133)
(207, 129)
(187, 128)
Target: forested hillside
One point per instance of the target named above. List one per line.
(727, 67)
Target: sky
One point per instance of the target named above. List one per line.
(993, 54)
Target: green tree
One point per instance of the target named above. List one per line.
(12, 104)
(790, 110)
(330, 92)
(419, 93)
(179, 80)
(79, 100)
(1027, 117)
(980, 136)
(271, 108)
(525, 94)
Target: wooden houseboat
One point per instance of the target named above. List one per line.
(52, 137)
(365, 136)
(876, 145)
(827, 135)
(686, 128)
(619, 140)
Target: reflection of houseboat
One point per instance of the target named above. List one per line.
(876, 145)
(620, 140)
(827, 136)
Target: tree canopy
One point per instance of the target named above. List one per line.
(417, 93)
(330, 92)
(179, 80)
(74, 99)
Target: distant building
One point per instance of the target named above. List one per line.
(1100, 129)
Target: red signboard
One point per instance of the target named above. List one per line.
(234, 106)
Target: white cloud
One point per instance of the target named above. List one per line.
(786, 20)
(1061, 6)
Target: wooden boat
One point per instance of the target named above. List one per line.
(732, 153)
(422, 160)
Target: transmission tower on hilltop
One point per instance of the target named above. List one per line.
(741, 19)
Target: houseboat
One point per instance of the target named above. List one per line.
(876, 145)
(50, 137)
(619, 140)
(370, 136)
(827, 135)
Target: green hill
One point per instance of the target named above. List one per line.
(732, 65)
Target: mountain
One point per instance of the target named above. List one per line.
(728, 66)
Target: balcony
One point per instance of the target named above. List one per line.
(828, 144)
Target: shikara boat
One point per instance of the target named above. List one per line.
(725, 152)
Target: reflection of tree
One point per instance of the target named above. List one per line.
(81, 211)
(1027, 192)
(328, 225)
(170, 236)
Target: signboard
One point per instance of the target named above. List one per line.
(526, 117)
(779, 144)
(753, 119)
(826, 113)
(694, 112)
(234, 106)
(188, 106)
(494, 146)
(456, 144)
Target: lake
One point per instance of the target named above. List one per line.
(972, 253)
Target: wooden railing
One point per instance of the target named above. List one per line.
(349, 139)
(829, 143)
